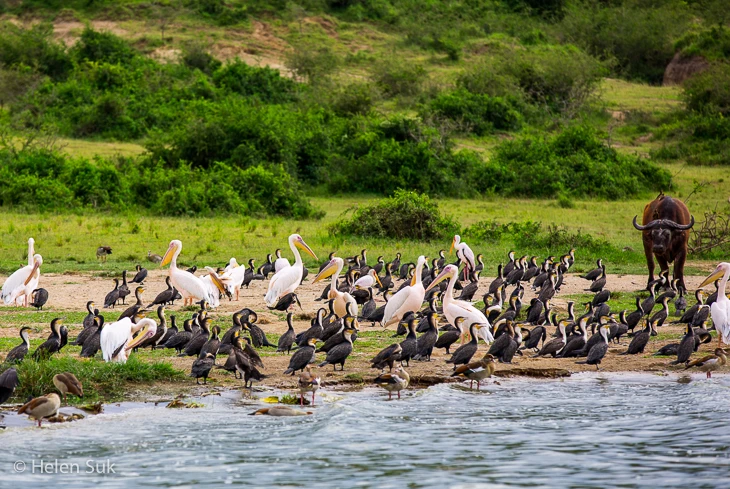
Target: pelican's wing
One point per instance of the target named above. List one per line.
(188, 284)
(114, 336)
(394, 304)
(283, 282)
(15, 284)
(720, 311)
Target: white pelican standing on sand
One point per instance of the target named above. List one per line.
(22, 283)
(117, 338)
(465, 254)
(341, 299)
(288, 278)
(454, 308)
(407, 299)
(720, 309)
(190, 287)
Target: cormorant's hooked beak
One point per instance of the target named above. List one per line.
(299, 243)
(716, 275)
(327, 271)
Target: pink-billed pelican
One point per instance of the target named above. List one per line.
(288, 278)
(464, 253)
(720, 309)
(408, 299)
(367, 280)
(454, 308)
(117, 338)
(341, 299)
(189, 286)
(22, 283)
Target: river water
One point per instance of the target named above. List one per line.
(587, 431)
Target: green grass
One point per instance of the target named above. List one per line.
(68, 242)
(101, 380)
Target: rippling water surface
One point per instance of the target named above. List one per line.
(595, 431)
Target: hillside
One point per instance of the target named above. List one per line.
(252, 108)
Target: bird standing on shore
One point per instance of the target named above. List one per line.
(720, 309)
(288, 278)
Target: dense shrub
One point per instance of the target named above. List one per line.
(709, 92)
(477, 113)
(637, 36)
(102, 47)
(196, 56)
(406, 215)
(574, 163)
(265, 84)
(33, 48)
(561, 79)
(491, 231)
(45, 180)
(395, 78)
(712, 44)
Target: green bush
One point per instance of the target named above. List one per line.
(102, 47)
(39, 179)
(561, 79)
(396, 78)
(574, 163)
(712, 44)
(709, 92)
(265, 84)
(33, 48)
(314, 63)
(477, 113)
(196, 56)
(636, 36)
(406, 215)
(356, 98)
(491, 231)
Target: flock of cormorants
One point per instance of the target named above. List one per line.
(503, 323)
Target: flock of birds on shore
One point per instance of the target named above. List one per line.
(334, 328)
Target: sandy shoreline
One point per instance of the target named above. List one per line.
(69, 292)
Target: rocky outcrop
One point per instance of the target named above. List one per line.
(681, 68)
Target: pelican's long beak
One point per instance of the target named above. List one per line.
(168, 256)
(377, 279)
(716, 275)
(216, 280)
(36, 265)
(442, 276)
(146, 332)
(453, 242)
(327, 271)
(304, 246)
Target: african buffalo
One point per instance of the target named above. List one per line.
(665, 234)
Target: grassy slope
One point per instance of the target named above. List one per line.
(68, 242)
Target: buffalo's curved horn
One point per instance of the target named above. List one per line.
(681, 227)
(641, 228)
(665, 223)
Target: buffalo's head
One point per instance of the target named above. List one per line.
(661, 231)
